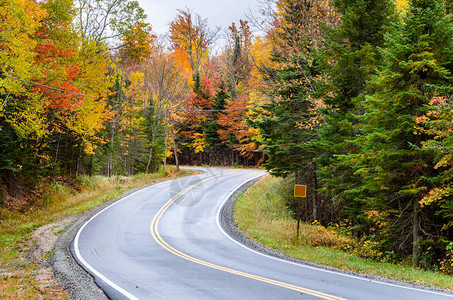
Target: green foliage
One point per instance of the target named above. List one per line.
(288, 121)
(383, 143)
(349, 60)
(155, 131)
(395, 170)
(350, 97)
(212, 127)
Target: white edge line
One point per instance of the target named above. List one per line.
(91, 268)
(219, 211)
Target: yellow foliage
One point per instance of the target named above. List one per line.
(402, 5)
(19, 21)
(319, 236)
(199, 143)
(94, 62)
(261, 54)
(30, 120)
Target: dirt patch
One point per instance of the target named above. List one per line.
(4, 272)
(36, 253)
(44, 238)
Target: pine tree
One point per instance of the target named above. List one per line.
(289, 121)
(290, 82)
(211, 128)
(350, 58)
(395, 169)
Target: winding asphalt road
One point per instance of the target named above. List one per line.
(165, 242)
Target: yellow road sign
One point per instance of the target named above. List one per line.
(300, 190)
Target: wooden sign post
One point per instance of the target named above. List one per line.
(300, 191)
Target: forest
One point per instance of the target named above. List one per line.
(350, 97)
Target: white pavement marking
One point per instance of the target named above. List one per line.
(91, 268)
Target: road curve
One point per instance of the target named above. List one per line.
(165, 242)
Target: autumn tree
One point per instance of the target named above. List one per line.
(20, 20)
(197, 116)
(232, 126)
(72, 120)
(107, 20)
(437, 122)
(237, 57)
(191, 33)
(134, 140)
(192, 39)
(137, 44)
(167, 85)
(46, 119)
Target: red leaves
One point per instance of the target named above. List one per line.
(234, 123)
(55, 59)
(58, 76)
(49, 53)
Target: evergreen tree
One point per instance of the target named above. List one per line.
(155, 131)
(395, 169)
(290, 83)
(289, 122)
(211, 128)
(350, 58)
(284, 125)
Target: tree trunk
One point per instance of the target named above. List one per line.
(175, 149)
(56, 154)
(110, 160)
(91, 165)
(150, 152)
(78, 162)
(315, 193)
(415, 235)
(166, 144)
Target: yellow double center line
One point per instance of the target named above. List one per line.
(158, 238)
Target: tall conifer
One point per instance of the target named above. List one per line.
(350, 58)
(290, 120)
(395, 169)
(287, 128)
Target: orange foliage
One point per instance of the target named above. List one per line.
(137, 43)
(59, 63)
(182, 63)
(191, 33)
(234, 123)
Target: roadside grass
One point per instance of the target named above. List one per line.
(20, 276)
(261, 213)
